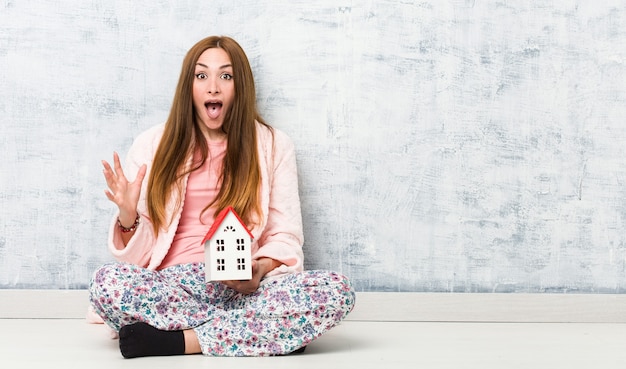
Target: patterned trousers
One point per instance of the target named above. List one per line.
(284, 314)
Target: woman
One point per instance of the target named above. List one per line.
(213, 152)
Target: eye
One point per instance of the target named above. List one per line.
(201, 75)
(226, 76)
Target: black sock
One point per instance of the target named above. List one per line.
(141, 339)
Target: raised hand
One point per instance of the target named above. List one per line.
(123, 193)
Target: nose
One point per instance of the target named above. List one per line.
(212, 86)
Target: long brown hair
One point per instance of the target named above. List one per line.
(241, 175)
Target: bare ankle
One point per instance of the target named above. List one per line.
(192, 345)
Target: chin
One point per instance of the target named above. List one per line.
(214, 126)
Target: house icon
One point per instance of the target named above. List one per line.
(228, 248)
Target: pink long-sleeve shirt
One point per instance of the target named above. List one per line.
(278, 235)
(203, 185)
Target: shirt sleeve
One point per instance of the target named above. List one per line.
(282, 237)
(139, 249)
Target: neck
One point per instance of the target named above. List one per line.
(214, 136)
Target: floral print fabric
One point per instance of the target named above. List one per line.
(284, 314)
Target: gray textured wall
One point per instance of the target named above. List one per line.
(466, 146)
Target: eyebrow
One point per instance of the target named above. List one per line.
(221, 67)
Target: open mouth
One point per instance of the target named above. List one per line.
(213, 109)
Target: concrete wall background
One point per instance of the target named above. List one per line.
(458, 146)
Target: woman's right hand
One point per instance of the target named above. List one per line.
(123, 193)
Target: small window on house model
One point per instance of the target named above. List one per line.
(241, 244)
(220, 265)
(241, 264)
(220, 245)
(229, 229)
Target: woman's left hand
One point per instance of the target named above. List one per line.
(260, 268)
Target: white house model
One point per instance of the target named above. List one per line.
(227, 248)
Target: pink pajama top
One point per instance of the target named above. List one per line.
(278, 235)
(202, 187)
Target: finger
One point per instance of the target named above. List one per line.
(110, 179)
(141, 174)
(109, 195)
(233, 285)
(107, 171)
(106, 165)
(118, 166)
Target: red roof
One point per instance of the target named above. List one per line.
(218, 221)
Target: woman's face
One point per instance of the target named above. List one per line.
(213, 91)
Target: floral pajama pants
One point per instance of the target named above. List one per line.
(284, 314)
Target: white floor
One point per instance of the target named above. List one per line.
(72, 343)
